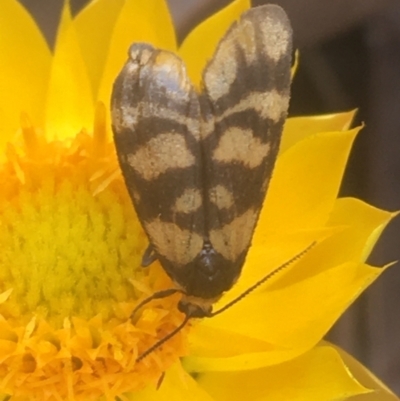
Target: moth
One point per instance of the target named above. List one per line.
(197, 163)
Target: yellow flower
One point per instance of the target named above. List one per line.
(72, 245)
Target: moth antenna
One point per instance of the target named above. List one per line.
(159, 343)
(156, 295)
(263, 280)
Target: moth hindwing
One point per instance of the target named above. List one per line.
(197, 164)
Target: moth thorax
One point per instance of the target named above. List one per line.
(209, 275)
(206, 262)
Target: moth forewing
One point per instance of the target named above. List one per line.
(155, 113)
(247, 85)
(197, 164)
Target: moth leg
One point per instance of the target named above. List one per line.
(156, 295)
(149, 256)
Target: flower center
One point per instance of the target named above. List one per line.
(68, 253)
(70, 276)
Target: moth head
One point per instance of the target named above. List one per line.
(195, 307)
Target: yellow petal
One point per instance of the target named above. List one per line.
(24, 69)
(305, 183)
(274, 251)
(200, 44)
(362, 226)
(95, 42)
(367, 379)
(318, 375)
(292, 318)
(239, 352)
(205, 341)
(139, 21)
(177, 384)
(355, 227)
(298, 128)
(69, 106)
(5, 295)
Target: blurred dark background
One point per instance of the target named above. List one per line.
(349, 58)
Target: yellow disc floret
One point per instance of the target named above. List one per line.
(70, 274)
